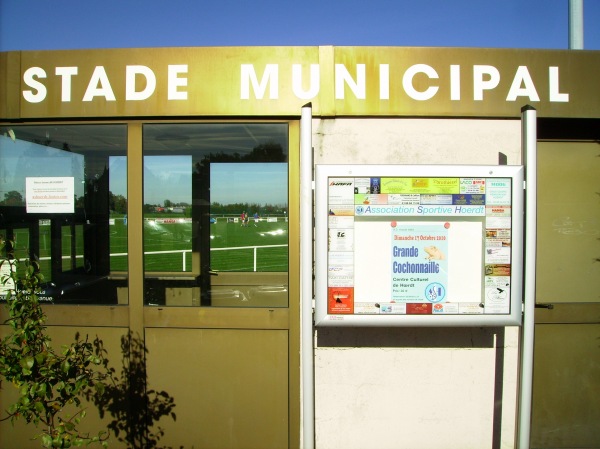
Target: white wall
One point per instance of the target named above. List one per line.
(415, 387)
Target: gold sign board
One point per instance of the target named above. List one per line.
(278, 81)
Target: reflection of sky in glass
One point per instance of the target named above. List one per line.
(117, 175)
(167, 178)
(21, 159)
(253, 182)
(170, 178)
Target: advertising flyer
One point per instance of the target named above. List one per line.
(419, 262)
(341, 300)
(497, 294)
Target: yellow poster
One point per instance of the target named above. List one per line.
(420, 185)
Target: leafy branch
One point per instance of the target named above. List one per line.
(51, 384)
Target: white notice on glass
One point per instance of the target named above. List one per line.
(50, 195)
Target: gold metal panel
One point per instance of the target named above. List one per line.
(230, 386)
(569, 313)
(566, 386)
(575, 77)
(82, 315)
(211, 82)
(326, 104)
(10, 64)
(294, 285)
(216, 317)
(568, 222)
(566, 383)
(558, 83)
(135, 220)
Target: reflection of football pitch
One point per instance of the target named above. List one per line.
(259, 246)
(263, 245)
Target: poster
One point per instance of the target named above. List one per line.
(419, 262)
(53, 195)
(415, 262)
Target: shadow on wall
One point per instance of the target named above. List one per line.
(134, 408)
(402, 337)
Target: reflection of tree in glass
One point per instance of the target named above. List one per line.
(13, 198)
(265, 152)
(117, 203)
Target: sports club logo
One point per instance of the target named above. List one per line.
(435, 292)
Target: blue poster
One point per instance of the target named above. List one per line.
(419, 262)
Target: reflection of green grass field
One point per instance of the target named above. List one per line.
(173, 237)
(231, 235)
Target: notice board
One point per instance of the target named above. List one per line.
(418, 245)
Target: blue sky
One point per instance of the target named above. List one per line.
(76, 24)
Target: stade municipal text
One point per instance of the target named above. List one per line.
(141, 83)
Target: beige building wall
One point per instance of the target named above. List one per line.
(416, 387)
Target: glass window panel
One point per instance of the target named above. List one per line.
(167, 217)
(259, 191)
(117, 204)
(215, 203)
(57, 203)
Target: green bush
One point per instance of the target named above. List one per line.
(51, 384)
